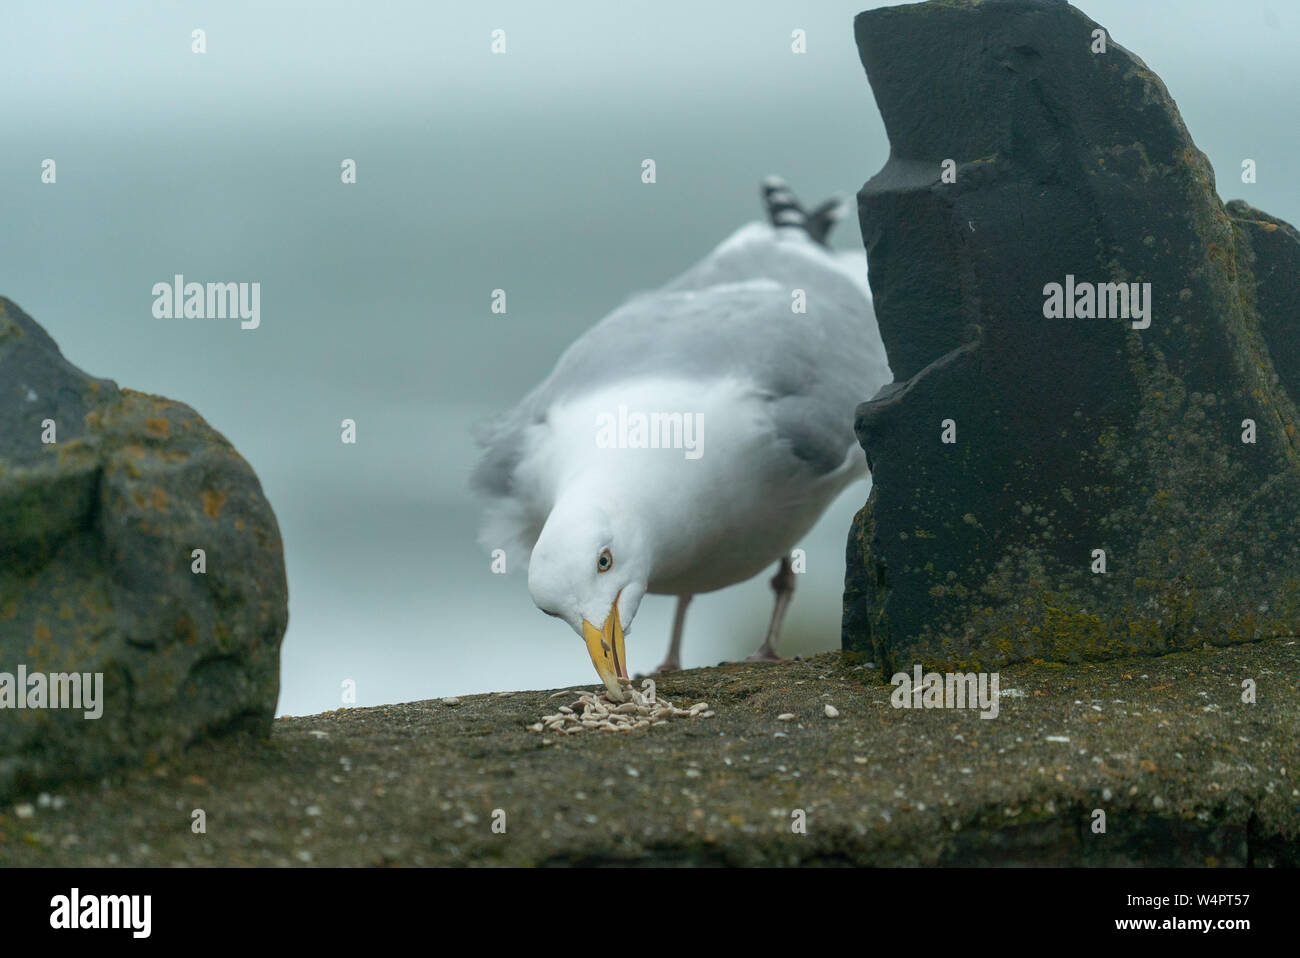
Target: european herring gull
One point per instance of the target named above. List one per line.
(692, 436)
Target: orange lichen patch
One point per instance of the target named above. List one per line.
(42, 633)
(139, 498)
(158, 426)
(159, 499)
(213, 503)
(239, 524)
(73, 448)
(187, 630)
(174, 455)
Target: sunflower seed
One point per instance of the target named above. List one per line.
(600, 712)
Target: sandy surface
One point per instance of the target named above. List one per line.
(1184, 771)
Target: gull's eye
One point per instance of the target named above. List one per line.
(605, 562)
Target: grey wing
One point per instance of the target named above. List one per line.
(822, 371)
(731, 315)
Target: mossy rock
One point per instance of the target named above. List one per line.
(98, 530)
(1072, 435)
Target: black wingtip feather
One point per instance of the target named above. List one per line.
(783, 209)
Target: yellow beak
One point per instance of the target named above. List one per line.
(605, 645)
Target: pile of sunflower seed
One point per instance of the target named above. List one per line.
(597, 712)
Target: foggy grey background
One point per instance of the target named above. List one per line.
(475, 172)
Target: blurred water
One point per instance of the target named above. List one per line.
(475, 172)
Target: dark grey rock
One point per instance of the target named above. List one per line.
(1071, 434)
(96, 537)
(881, 786)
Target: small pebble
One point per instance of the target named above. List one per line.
(785, 717)
(451, 701)
(832, 711)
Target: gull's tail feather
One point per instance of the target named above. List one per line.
(784, 210)
(823, 219)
